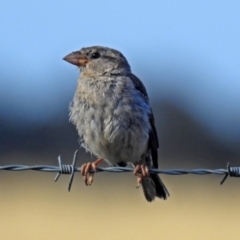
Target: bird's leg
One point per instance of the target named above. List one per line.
(144, 172)
(86, 167)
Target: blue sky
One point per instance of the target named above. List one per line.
(187, 52)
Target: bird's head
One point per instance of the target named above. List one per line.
(99, 61)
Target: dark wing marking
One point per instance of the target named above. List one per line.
(153, 142)
(153, 138)
(139, 85)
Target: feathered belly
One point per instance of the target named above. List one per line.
(115, 133)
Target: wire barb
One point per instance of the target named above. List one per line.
(67, 169)
(231, 172)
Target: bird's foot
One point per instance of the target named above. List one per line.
(86, 167)
(144, 172)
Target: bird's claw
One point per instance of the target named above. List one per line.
(144, 173)
(143, 168)
(139, 180)
(85, 171)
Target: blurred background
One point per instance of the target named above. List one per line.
(186, 53)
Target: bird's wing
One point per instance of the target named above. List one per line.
(153, 138)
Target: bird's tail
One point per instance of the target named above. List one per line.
(154, 187)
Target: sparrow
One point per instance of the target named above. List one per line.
(113, 117)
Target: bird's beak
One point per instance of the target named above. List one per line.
(77, 59)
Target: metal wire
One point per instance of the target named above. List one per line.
(71, 169)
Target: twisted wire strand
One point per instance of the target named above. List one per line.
(66, 169)
(71, 169)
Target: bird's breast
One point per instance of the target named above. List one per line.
(112, 120)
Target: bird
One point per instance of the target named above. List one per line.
(113, 117)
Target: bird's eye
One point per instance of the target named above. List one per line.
(95, 55)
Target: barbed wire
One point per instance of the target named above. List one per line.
(71, 169)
